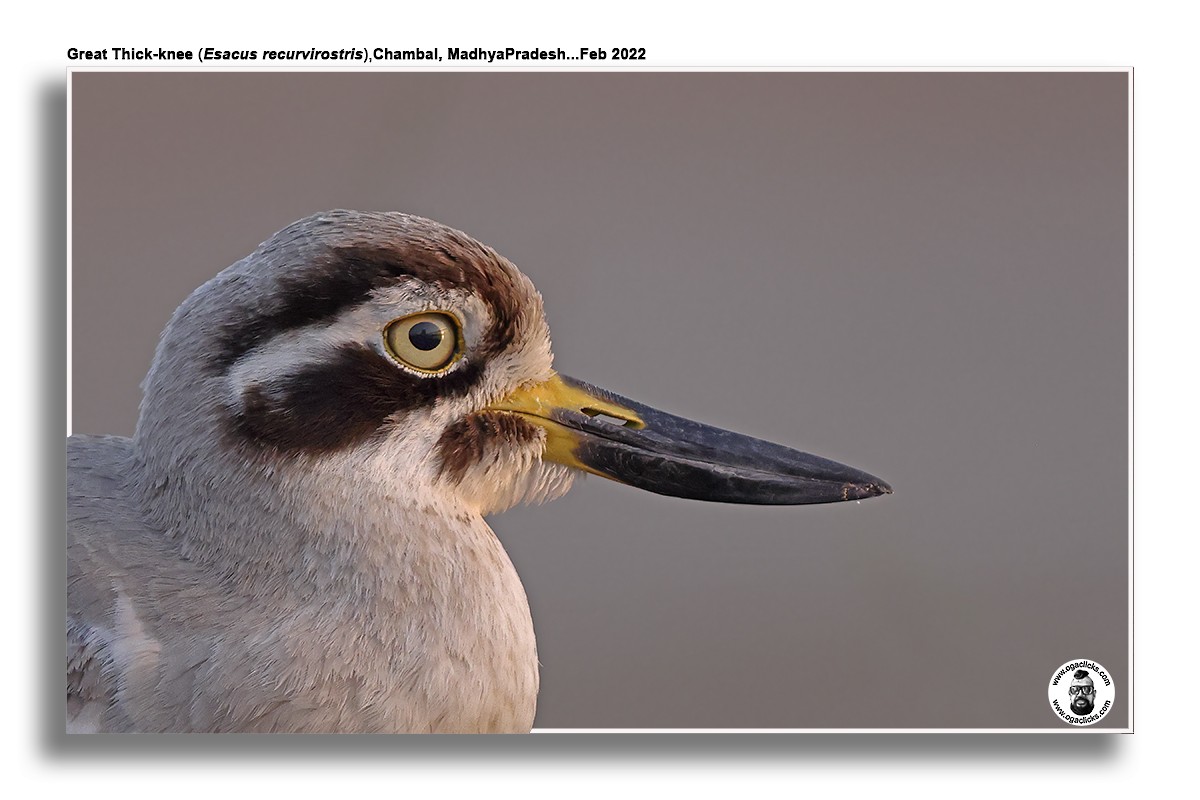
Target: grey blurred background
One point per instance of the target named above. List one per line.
(920, 274)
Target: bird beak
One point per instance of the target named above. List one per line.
(611, 436)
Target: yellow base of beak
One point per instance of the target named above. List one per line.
(540, 401)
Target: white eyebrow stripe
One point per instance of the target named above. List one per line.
(271, 364)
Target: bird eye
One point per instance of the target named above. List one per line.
(428, 342)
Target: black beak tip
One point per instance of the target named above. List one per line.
(861, 491)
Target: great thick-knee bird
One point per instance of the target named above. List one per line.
(294, 538)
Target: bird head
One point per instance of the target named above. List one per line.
(388, 351)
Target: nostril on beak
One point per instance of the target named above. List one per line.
(597, 414)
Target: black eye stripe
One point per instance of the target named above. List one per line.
(338, 402)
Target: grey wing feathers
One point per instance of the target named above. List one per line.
(100, 525)
(130, 590)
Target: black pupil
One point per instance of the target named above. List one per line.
(425, 335)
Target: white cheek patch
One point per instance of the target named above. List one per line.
(540, 482)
